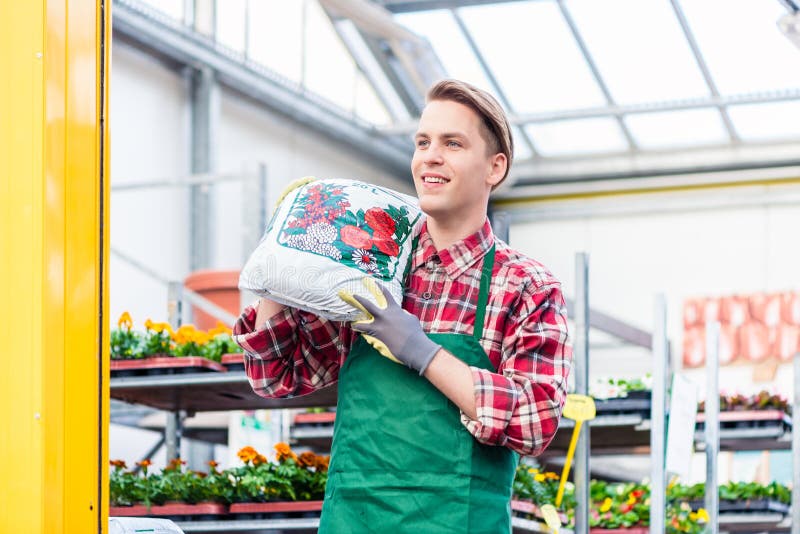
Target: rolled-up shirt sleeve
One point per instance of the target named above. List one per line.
(520, 405)
(294, 353)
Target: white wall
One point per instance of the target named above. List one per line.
(683, 244)
(149, 123)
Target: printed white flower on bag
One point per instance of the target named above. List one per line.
(324, 236)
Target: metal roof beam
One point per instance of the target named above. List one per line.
(618, 110)
(583, 170)
(701, 63)
(183, 46)
(408, 6)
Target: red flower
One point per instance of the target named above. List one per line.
(380, 221)
(355, 237)
(386, 245)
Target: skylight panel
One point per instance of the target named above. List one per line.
(767, 122)
(171, 8)
(373, 74)
(367, 104)
(672, 129)
(329, 69)
(533, 56)
(230, 21)
(743, 46)
(576, 137)
(276, 36)
(449, 44)
(639, 49)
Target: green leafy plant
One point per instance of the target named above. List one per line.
(157, 339)
(125, 342)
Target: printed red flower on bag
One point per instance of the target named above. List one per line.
(387, 246)
(355, 237)
(380, 221)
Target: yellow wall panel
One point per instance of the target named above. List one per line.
(53, 264)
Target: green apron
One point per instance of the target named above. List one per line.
(401, 460)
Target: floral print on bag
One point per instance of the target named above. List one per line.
(320, 222)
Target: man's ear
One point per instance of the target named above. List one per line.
(499, 164)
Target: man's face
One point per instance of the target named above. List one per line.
(453, 173)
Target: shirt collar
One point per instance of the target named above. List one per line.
(459, 256)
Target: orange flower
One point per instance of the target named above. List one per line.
(213, 465)
(119, 464)
(260, 459)
(175, 465)
(284, 452)
(307, 459)
(247, 454)
(321, 463)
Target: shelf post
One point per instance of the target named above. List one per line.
(658, 410)
(581, 369)
(796, 448)
(712, 426)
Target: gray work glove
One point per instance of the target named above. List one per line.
(391, 330)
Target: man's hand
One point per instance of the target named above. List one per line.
(393, 332)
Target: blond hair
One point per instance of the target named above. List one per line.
(495, 130)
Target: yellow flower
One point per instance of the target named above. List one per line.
(606, 506)
(631, 499)
(220, 328)
(200, 337)
(533, 471)
(693, 517)
(702, 515)
(125, 321)
(538, 477)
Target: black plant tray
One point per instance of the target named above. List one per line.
(748, 506)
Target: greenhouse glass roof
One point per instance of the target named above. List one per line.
(594, 88)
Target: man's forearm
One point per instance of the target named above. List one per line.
(453, 378)
(266, 309)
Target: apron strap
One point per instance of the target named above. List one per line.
(483, 295)
(483, 292)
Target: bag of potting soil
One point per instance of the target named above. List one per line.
(326, 235)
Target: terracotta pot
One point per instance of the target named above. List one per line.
(275, 507)
(168, 509)
(220, 287)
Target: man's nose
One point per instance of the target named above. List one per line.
(434, 153)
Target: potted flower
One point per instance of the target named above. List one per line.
(173, 493)
(619, 508)
(293, 484)
(768, 412)
(124, 340)
(533, 489)
(161, 350)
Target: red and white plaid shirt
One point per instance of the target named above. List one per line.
(525, 337)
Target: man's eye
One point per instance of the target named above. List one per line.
(453, 144)
(422, 142)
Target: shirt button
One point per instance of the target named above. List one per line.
(427, 295)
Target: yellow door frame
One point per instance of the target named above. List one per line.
(54, 239)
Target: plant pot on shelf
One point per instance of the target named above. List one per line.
(276, 509)
(630, 530)
(220, 287)
(233, 361)
(159, 365)
(181, 510)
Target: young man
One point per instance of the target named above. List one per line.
(432, 445)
